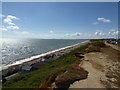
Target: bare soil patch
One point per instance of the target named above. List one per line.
(103, 68)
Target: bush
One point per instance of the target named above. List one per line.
(98, 43)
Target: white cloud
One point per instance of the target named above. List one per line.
(99, 33)
(112, 32)
(115, 32)
(67, 34)
(96, 35)
(9, 19)
(12, 17)
(109, 33)
(12, 27)
(51, 31)
(78, 34)
(9, 23)
(74, 35)
(104, 20)
(95, 23)
(3, 29)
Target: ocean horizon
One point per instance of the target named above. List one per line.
(15, 50)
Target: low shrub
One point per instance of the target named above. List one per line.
(98, 43)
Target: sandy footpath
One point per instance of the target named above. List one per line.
(98, 65)
(94, 76)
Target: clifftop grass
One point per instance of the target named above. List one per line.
(35, 78)
(98, 43)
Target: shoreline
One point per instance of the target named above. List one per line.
(38, 58)
(76, 69)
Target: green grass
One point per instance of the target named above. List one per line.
(99, 43)
(35, 78)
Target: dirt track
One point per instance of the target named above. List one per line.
(100, 65)
(113, 46)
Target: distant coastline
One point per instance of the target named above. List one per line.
(38, 57)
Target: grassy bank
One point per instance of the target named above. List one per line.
(35, 78)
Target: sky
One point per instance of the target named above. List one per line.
(59, 20)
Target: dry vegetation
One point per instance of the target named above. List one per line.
(112, 70)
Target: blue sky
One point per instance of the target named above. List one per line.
(60, 20)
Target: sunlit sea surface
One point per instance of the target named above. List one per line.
(18, 49)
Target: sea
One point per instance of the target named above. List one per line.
(15, 50)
